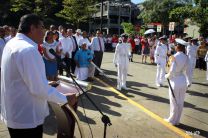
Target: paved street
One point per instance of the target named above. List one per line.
(138, 112)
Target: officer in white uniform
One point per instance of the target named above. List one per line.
(191, 51)
(161, 59)
(121, 61)
(180, 79)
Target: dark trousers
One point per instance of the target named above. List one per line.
(202, 63)
(66, 66)
(98, 56)
(73, 64)
(27, 133)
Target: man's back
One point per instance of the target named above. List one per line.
(24, 87)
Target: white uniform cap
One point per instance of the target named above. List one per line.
(181, 41)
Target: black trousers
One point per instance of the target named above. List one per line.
(202, 64)
(27, 133)
(65, 67)
(73, 64)
(98, 56)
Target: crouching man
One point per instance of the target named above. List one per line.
(83, 57)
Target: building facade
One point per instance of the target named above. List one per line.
(114, 13)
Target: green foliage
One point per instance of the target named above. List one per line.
(76, 11)
(128, 28)
(180, 13)
(197, 13)
(158, 11)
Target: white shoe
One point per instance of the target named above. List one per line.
(124, 87)
(158, 85)
(174, 124)
(166, 120)
(118, 88)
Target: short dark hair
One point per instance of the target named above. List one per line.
(26, 21)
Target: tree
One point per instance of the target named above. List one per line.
(197, 13)
(128, 28)
(76, 11)
(44, 8)
(158, 11)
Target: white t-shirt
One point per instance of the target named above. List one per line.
(48, 46)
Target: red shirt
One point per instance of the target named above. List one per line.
(132, 42)
(40, 49)
(114, 40)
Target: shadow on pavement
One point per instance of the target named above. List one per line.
(195, 93)
(97, 95)
(114, 73)
(193, 131)
(203, 84)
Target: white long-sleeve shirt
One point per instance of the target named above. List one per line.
(161, 53)
(24, 87)
(192, 51)
(122, 53)
(180, 67)
(85, 40)
(67, 46)
(95, 45)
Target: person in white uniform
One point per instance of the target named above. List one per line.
(121, 61)
(191, 52)
(161, 59)
(180, 79)
(24, 88)
(206, 59)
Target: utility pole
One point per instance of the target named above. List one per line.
(101, 17)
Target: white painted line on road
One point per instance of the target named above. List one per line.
(153, 115)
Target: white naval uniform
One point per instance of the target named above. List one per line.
(180, 78)
(192, 53)
(121, 59)
(206, 59)
(160, 59)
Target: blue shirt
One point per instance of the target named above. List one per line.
(83, 57)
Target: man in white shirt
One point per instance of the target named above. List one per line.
(78, 35)
(97, 46)
(24, 88)
(84, 40)
(75, 48)
(67, 48)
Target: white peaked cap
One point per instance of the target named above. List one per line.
(181, 41)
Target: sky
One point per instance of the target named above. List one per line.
(137, 1)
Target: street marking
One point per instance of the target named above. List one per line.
(153, 115)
